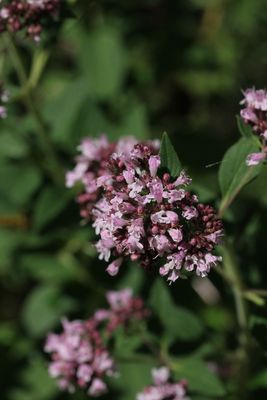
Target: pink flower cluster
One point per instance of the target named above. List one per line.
(79, 356)
(91, 169)
(124, 308)
(254, 113)
(150, 217)
(162, 388)
(4, 96)
(29, 15)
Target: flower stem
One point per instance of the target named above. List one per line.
(54, 166)
(235, 281)
(233, 275)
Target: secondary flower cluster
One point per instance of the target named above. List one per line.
(91, 169)
(124, 308)
(28, 15)
(79, 356)
(162, 388)
(150, 217)
(254, 113)
(3, 100)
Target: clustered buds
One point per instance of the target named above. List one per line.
(79, 356)
(91, 169)
(28, 15)
(4, 96)
(162, 388)
(148, 216)
(254, 113)
(124, 309)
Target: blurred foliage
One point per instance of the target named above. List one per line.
(140, 68)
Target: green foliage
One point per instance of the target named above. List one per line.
(130, 69)
(178, 322)
(234, 173)
(103, 61)
(168, 156)
(43, 309)
(201, 379)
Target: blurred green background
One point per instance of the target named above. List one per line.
(124, 68)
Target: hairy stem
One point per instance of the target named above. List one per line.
(54, 167)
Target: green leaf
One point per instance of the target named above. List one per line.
(168, 156)
(234, 173)
(36, 383)
(63, 110)
(200, 378)
(125, 344)
(259, 381)
(178, 322)
(10, 240)
(47, 268)
(43, 309)
(244, 129)
(48, 206)
(103, 61)
(133, 377)
(19, 182)
(12, 145)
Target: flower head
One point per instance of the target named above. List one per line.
(92, 171)
(254, 113)
(152, 218)
(124, 309)
(79, 358)
(4, 96)
(28, 15)
(162, 388)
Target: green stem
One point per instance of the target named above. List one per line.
(233, 275)
(54, 167)
(242, 354)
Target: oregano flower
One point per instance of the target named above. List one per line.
(91, 170)
(162, 387)
(254, 113)
(150, 217)
(79, 357)
(28, 15)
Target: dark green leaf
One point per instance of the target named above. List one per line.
(12, 145)
(103, 61)
(244, 129)
(200, 378)
(19, 182)
(134, 376)
(179, 323)
(260, 380)
(168, 156)
(234, 173)
(43, 309)
(46, 268)
(36, 382)
(48, 206)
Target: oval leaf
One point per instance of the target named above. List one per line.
(234, 173)
(168, 156)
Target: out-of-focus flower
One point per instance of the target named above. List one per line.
(92, 172)
(29, 15)
(152, 218)
(256, 158)
(254, 113)
(4, 96)
(162, 388)
(124, 309)
(79, 358)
